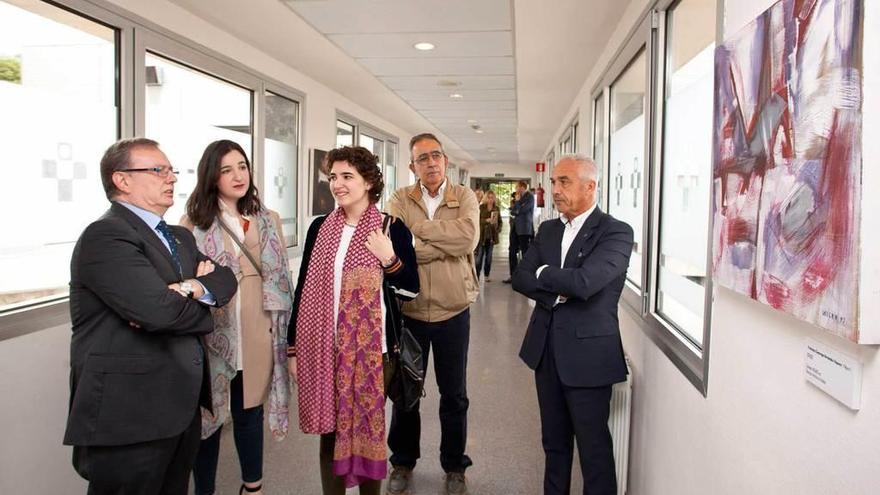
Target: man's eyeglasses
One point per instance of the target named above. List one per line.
(426, 158)
(163, 172)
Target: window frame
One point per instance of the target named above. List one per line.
(362, 127)
(134, 37)
(650, 34)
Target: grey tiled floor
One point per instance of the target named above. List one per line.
(503, 423)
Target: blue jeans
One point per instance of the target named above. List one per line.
(248, 433)
(484, 258)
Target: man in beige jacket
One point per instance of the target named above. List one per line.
(443, 218)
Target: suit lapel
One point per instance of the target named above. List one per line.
(150, 237)
(583, 236)
(555, 254)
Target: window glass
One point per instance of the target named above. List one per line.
(390, 174)
(599, 136)
(58, 113)
(344, 134)
(627, 153)
(281, 161)
(686, 176)
(185, 111)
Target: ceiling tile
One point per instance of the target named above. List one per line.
(412, 95)
(399, 45)
(404, 16)
(451, 67)
(417, 82)
(463, 105)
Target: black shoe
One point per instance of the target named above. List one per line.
(506, 281)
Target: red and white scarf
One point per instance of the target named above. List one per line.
(340, 372)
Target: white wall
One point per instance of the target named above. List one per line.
(762, 429)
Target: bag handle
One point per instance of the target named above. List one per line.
(244, 250)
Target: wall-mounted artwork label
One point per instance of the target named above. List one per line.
(787, 161)
(835, 373)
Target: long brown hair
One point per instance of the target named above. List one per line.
(202, 207)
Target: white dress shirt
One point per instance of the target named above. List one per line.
(572, 227)
(432, 203)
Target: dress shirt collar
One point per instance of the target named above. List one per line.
(577, 222)
(148, 217)
(440, 191)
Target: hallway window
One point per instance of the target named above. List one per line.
(186, 110)
(686, 167)
(599, 136)
(626, 169)
(344, 134)
(58, 113)
(281, 161)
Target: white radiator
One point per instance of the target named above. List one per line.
(618, 423)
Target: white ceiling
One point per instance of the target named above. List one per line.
(518, 64)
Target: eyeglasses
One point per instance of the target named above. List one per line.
(426, 158)
(163, 172)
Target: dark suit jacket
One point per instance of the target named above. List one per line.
(130, 385)
(523, 212)
(585, 329)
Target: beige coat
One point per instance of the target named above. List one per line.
(444, 250)
(256, 323)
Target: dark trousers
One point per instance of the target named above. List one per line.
(449, 339)
(569, 413)
(147, 468)
(519, 244)
(247, 430)
(484, 258)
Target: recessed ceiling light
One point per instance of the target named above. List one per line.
(471, 121)
(446, 83)
(456, 96)
(479, 131)
(424, 46)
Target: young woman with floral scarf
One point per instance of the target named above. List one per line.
(342, 329)
(247, 350)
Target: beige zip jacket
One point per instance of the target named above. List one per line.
(444, 250)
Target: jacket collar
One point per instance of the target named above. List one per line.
(449, 198)
(147, 232)
(583, 235)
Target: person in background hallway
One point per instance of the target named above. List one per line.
(513, 240)
(490, 225)
(522, 212)
(247, 350)
(479, 194)
(338, 352)
(575, 272)
(140, 293)
(539, 196)
(444, 219)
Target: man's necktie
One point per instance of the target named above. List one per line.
(172, 243)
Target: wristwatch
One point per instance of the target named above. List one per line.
(187, 288)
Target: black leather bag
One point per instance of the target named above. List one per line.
(407, 384)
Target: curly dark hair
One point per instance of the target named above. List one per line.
(362, 160)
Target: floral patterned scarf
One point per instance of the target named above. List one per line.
(340, 382)
(223, 341)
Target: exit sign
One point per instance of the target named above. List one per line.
(499, 175)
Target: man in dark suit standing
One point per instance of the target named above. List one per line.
(139, 297)
(522, 225)
(575, 272)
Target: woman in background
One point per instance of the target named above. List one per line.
(338, 352)
(246, 351)
(490, 225)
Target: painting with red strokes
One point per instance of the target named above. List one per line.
(787, 161)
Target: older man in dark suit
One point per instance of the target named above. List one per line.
(140, 293)
(575, 271)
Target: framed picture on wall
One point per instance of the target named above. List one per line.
(322, 198)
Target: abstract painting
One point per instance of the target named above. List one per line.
(787, 161)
